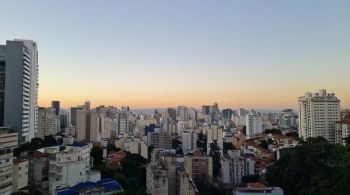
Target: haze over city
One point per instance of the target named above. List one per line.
(144, 54)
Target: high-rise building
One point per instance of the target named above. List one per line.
(123, 122)
(20, 58)
(199, 168)
(56, 106)
(160, 140)
(209, 109)
(234, 167)
(73, 115)
(82, 132)
(2, 84)
(182, 112)
(172, 114)
(189, 141)
(227, 113)
(215, 133)
(48, 122)
(318, 113)
(253, 124)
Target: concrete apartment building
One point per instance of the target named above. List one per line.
(8, 142)
(215, 133)
(38, 169)
(159, 140)
(342, 131)
(199, 168)
(253, 124)
(234, 167)
(71, 166)
(189, 141)
(48, 122)
(20, 59)
(20, 174)
(318, 114)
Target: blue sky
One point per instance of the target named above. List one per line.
(163, 53)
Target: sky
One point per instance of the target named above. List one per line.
(160, 53)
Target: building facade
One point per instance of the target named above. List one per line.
(8, 142)
(20, 174)
(48, 122)
(342, 131)
(21, 87)
(70, 167)
(253, 124)
(318, 113)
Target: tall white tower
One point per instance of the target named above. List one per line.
(21, 87)
(318, 113)
(253, 124)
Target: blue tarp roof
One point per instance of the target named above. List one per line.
(109, 184)
(68, 192)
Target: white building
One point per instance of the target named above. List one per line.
(48, 122)
(258, 189)
(342, 131)
(182, 113)
(189, 141)
(253, 124)
(70, 167)
(215, 133)
(21, 86)
(318, 113)
(234, 167)
(8, 142)
(123, 123)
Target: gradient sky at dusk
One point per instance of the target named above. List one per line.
(159, 53)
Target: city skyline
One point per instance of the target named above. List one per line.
(238, 54)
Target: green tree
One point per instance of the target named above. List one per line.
(347, 140)
(50, 141)
(214, 152)
(97, 156)
(273, 131)
(227, 147)
(112, 147)
(175, 143)
(202, 142)
(36, 143)
(313, 167)
(264, 144)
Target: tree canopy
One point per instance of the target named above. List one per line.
(214, 152)
(313, 167)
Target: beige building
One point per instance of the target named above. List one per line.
(199, 168)
(215, 133)
(81, 125)
(318, 113)
(48, 122)
(20, 174)
(8, 142)
(342, 131)
(185, 184)
(94, 126)
(82, 130)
